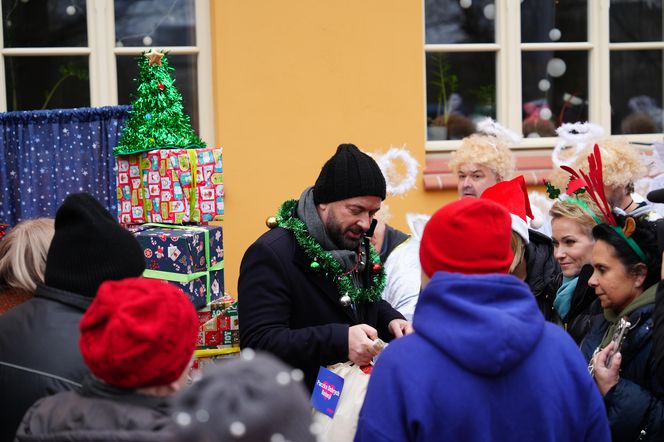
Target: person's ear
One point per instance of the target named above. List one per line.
(640, 272)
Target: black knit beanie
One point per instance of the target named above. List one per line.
(89, 247)
(349, 173)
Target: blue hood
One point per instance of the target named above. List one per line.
(486, 323)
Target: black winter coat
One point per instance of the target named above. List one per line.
(658, 333)
(584, 307)
(98, 413)
(39, 353)
(292, 311)
(542, 273)
(635, 405)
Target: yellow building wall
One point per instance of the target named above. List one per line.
(294, 79)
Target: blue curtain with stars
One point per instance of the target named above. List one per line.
(46, 155)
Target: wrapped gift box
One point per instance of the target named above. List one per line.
(219, 327)
(197, 288)
(205, 357)
(180, 250)
(170, 186)
(189, 256)
(215, 308)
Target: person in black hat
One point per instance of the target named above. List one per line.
(657, 196)
(39, 353)
(310, 289)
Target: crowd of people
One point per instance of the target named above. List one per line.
(495, 330)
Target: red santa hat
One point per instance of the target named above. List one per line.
(513, 196)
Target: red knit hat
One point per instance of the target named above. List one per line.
(138, 332)
(470, 236)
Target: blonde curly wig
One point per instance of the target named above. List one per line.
(487, 151)
(621, 165)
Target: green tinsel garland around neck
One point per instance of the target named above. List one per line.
(326, 261)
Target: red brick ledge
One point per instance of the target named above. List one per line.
(535, 168)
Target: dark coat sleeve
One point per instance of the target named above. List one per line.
(632, 409)
(267, 290)
(658, 334)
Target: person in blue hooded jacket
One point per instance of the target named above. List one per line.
(482, 363)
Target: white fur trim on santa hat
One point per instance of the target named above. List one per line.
(520, 227)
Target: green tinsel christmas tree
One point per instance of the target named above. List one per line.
(157, 119)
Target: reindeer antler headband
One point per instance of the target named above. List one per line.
(595, 187)
(575, 187)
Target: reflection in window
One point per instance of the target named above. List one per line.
(155, 23)
(554, 90)
(545, 21)
(44, 23)
(460, 21)
(460, 91)
(47, 82)
(635, 21)
(184, 76)
(636, 92)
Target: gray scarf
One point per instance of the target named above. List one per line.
(306, 211)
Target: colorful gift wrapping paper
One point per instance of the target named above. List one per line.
(170, 186)
(180, 250)
(219, 326)
(190, 256)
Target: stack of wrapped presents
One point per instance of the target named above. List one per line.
(171, 196)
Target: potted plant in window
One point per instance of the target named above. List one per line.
(445, 83)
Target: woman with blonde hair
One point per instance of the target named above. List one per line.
(572, 222)
(23, 260)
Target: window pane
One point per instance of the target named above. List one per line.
(44, 23)
(47, 82)
(635, 20)
(555, 90)
(548, 21)
(461, 89)
(460, 21)
(185, 80)
(155, 23)
(636, 92)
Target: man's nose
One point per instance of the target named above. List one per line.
(365, 222)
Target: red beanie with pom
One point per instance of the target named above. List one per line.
(468, 236)
(138, 333)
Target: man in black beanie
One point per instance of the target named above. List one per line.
(39, 353)
(310, 289)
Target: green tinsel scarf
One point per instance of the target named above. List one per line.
(327, 263)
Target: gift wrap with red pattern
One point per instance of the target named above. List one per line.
(219, 326)
(156, 186)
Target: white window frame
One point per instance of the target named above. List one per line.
(102, 54)
(508, 49)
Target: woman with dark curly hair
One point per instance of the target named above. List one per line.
(619, 345)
